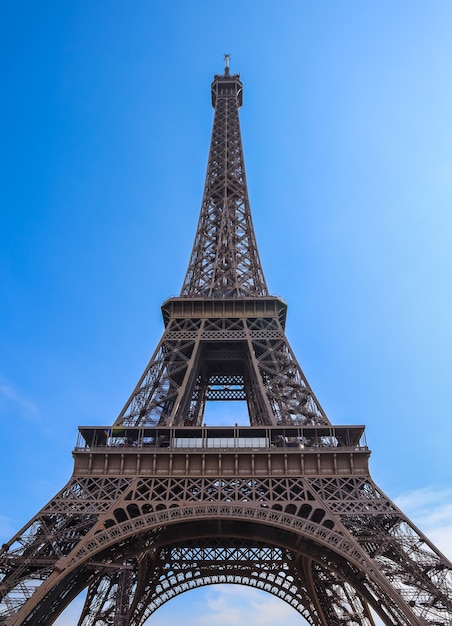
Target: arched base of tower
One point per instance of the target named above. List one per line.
(133, 567)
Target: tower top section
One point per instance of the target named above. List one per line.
(225, 260)
(227, 85)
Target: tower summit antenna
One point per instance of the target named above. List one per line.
(226, 61)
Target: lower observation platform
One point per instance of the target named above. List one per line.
(219, 450)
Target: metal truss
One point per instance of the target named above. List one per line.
(225, 358)
(330, 546)
(159, 503)
(225, 259)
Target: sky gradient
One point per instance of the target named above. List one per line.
(347, 132)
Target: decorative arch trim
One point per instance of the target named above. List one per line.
(102, 540)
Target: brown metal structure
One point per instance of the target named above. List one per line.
(159, 503)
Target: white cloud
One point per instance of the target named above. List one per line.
(227, 605)
(431, 511)
(237, 604)
(16, 403)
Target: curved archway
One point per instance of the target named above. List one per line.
(316, 558)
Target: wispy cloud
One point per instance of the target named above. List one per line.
(15, 402)
(235, 604)
(227, 605)
(431, 510)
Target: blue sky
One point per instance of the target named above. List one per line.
(347, 130)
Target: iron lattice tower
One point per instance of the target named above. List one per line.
(159, 503)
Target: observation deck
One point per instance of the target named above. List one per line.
(219, 450)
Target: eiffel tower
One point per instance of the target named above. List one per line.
(160, 503)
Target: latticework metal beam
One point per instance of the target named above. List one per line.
(225, 259)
